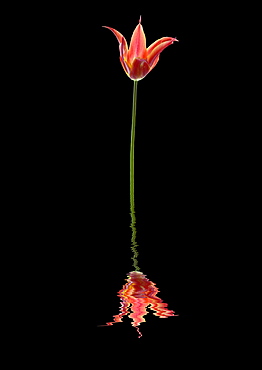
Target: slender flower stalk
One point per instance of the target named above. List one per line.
(132, 146)
(132, 179)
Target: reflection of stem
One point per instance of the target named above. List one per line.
(132, 181)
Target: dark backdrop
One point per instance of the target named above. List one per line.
(81, 177)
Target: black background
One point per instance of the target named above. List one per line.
(78, 121)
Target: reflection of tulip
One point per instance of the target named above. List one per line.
(138, 60)
(138, 294)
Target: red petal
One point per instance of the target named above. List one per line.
(159, 41)
(154, 63)
(139, 69)
(125, 65)
(118, 35)
(121, 40)
(123, 48)
(157, 47)
(137, 48)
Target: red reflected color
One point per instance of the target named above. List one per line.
(138, 294)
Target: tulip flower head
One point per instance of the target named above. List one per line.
(137, 60)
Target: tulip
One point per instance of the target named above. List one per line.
(139, 292)
(138, 60)
(136, 295)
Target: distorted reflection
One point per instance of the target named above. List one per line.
(138, 294)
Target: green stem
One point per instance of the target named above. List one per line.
(132, 147)
(132, 179)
